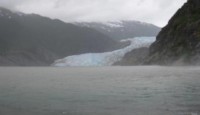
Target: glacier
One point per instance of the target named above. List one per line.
(106, 58)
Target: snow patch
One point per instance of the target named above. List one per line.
(144, 23)
(19, 13)
(1, 13)
(106, 58)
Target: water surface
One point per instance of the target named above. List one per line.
(142, 90)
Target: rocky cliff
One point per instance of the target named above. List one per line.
(179, 41)
(134, 57)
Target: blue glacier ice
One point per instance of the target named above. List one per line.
(106, 58)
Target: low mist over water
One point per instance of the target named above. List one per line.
(147, 90)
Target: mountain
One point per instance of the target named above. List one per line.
(30, 39)
(179, 41)
(122, 29)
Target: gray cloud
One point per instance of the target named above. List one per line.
(11, 4)
(153, 11)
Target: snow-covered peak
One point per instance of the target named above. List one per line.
(106, 58)
(113, 24)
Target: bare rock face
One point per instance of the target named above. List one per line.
(179, 41)
(134, 57)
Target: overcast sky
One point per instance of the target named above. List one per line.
(157, 12)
